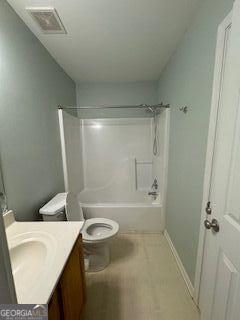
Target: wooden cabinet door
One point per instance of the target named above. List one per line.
(55, 306)
(72, 284)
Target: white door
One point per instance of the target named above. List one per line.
(220, 282)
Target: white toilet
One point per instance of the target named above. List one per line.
(96, 232)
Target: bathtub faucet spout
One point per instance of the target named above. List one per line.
(154, 194)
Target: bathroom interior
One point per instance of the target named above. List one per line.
(114, 142)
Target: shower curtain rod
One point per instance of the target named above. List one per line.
(141, 106)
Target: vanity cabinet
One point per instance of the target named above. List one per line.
(69, 297)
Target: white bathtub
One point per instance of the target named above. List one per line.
(137, 212)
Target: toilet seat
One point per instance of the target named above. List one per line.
(99, 229)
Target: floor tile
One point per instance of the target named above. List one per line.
(142, 282)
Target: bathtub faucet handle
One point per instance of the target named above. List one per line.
(155, 184)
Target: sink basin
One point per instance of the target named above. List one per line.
(31, 254)
(28, 253)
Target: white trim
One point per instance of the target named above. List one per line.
(180, 264)
(63, 149)
(6, 280)
(217, 83)
(165, 164)
(83, 146)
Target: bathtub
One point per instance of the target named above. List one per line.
(137, 212)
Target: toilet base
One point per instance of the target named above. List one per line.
(96, 256)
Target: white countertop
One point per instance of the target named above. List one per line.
(44, 251)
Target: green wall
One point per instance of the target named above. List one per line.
(187, 80)
(126, 93)
(31, 86)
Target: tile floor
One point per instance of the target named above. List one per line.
(141, 283)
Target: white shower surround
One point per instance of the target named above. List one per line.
(111, 150)
(101, 157)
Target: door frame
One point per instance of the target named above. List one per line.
(216, 94)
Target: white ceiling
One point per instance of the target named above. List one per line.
(110, 40)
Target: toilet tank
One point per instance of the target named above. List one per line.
(64, 206)
(54, 210)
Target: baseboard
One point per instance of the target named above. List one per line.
(140, 232)
(180, 265)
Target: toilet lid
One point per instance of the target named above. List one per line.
(99, 229)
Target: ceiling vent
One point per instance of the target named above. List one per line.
(47, 19)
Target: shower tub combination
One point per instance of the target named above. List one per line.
(139, 213)
(111, 163)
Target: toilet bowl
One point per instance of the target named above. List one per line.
(96, 235)
(99, 230)
(96, 232)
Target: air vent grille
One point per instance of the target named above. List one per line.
(47, 19)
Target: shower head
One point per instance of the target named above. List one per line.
(151, 109)
(148, 107)
(155, 109)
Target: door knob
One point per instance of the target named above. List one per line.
(214, 225)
